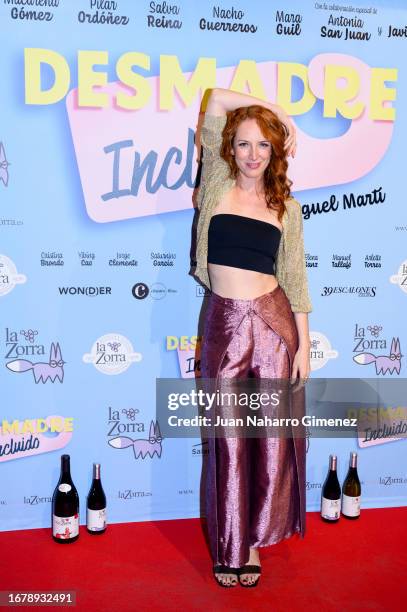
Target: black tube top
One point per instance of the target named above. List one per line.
(243, 242)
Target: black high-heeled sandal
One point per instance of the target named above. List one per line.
(250, 569)
(224, 569)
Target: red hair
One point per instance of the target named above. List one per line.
(276, 183)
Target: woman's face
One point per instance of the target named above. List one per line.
(251, 150)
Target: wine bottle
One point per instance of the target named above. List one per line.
(96, 505)
(65, 506)
(331, 494)
(351, 490)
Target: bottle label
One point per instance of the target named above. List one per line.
(96, 519)
(350, 505)
(64, 487)
(65, 527)
(330, 508)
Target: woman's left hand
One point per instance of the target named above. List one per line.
(301, 365)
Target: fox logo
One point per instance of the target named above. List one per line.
(384, 363)
(142, 447)
(42, 371)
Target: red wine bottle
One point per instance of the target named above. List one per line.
(65, 506)
(331, 494)
(351, 490)
(96, 505)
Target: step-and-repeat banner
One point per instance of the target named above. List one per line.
(99, 127)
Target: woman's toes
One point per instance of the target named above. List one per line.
(226, 579)
(249, 578)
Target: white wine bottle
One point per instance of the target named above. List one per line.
(96, 505)
(65, 506)
(331, 494)
(351, 490)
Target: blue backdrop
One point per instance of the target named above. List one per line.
(95, 297)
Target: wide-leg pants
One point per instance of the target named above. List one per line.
(255, 487)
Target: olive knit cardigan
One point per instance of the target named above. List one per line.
(215, 183)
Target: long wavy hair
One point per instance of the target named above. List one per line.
(276, 183)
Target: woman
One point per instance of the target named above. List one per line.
(250, 254)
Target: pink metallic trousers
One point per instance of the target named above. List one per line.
(255, 487)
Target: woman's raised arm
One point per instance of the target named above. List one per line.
(220, 101)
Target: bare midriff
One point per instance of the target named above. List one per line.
(236, 283)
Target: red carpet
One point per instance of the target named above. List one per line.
(353, 565)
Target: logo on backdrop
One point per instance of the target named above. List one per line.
(112, 354)
(360, 291)
(140, 291)
(386, 360)
(4, 164)
(321, 350)
(132, 494)
(388, 481)
(28, 347)
(142, 447)
(157, 291)
(88, 291)
(400, 278)
(310, 486)
(189, 351)
(34, 500)
(9, 276)
(201, 291)
(29, 437)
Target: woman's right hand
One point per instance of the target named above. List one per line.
(290, 144)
